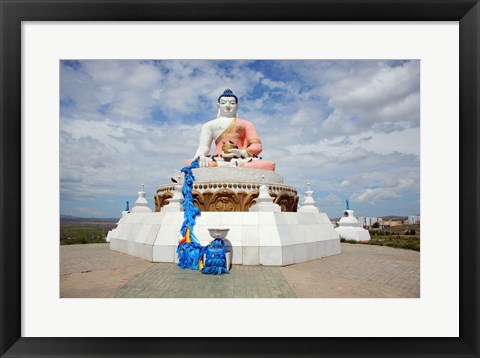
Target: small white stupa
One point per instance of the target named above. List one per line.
(349, 227)
(141, 205)
(264, 202)
(308, 205)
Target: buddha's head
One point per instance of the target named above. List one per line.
(227, 104)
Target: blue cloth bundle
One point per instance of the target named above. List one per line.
(189, 250)
(215, 260)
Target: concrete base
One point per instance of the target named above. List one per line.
(353, 233)
(256, 238)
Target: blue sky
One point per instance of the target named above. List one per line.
(350, 128)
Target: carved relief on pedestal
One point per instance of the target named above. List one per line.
(250, 200)
(295, 203)
(224, 200)
(287, 202)
(230, 196)
(199, 200)
(162, 200)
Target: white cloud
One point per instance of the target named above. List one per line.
(350, 128)
(384, 100)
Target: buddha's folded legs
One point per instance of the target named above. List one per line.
(261, 164)
(242, 163)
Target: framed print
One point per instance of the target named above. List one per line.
(37, 36)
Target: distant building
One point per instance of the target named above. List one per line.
(388, 224)
(413, 220)
(367, 221)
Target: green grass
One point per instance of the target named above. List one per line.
(83, 233)
(408, 242)
(397, 230)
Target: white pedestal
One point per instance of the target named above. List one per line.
(257, 238)
(353, 233)
(228, 259)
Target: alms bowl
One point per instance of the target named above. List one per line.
(217, 233)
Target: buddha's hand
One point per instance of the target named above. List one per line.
(202, 161)
(235, 153)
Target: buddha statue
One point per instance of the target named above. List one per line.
(237, 143)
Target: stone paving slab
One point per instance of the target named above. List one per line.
(94, 270)
(169, 281)
(359, 271)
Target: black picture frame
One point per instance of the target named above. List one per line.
(13, 12)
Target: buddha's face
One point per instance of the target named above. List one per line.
(227, 106)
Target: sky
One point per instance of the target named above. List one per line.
(349, 128)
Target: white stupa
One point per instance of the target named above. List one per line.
(349, 227)
(264, 202)
(141, 205)
(308, 205)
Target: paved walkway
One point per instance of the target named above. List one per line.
(94, 270)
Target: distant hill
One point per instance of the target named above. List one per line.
(393, 217)
(65, 218)
(385, 218)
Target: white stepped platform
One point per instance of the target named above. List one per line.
(256, 238)
(353, 233)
